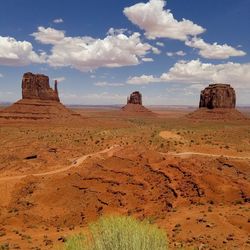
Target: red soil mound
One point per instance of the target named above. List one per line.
(137, 109)
(216, 114)
(36, 109)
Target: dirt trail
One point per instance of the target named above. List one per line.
(81, 159)
(209, 155)
(75, 163)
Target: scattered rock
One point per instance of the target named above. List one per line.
(30, 157)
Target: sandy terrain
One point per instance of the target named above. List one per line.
(191, 177)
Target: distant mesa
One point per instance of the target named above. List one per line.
(217, 102)
(218, 96)
(39, 101)
(135, 98)
(134, 105)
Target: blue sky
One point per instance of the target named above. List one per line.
(103, 50)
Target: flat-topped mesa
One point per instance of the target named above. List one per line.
(218, 96)
(135, 98)
(36, 86)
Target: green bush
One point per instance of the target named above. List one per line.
(119, 233)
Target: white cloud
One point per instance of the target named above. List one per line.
(59, 79)
(141, 80)
(48, 35)
(156, 51)
(160, 44)
(177, 53)
(108, 84)
(195, 72)
(1, 75)
(213, 51)
(58, 20)
(180, 53)
(147, 59)
(18, 53)
(85, 53)
(160, 23)
(113, 31)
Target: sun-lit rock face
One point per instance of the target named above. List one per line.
(36, 86)
(218, 96)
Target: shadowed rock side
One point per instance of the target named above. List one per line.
(39, 101)
(218, 96)
(134, 104)
(217, 102)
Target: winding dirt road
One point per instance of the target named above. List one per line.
(75, 163)
(111, 150)
(208, 155)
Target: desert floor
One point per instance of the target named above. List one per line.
(191, 177)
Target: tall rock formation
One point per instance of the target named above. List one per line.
(36, 86)
(134, 105)
(217, 102)
(135, 98)
(218, 96)
(39, 101)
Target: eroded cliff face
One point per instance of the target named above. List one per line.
(36, 86)
(135, 98)
(218, 96)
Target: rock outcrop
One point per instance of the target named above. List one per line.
(217, 102)
(36, 86)
(135, 98)
(218, 96)
(39, 101)
(134, 105)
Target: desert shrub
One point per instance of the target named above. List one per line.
(77, 242)
(119, 233)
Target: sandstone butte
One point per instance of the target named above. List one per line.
(217, 102)
(134, 105)
(39, 101)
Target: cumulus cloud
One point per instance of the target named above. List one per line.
(86, 53)
(147, 59)
(160, 44)
(108, 84)
(18, 53)
(58, 20)
(177, 53)
(195, 72)
(141, 80)
(156, 51)
(213, 51)
(48, 35)
(160, 23)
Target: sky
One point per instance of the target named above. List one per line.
(101, 51)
